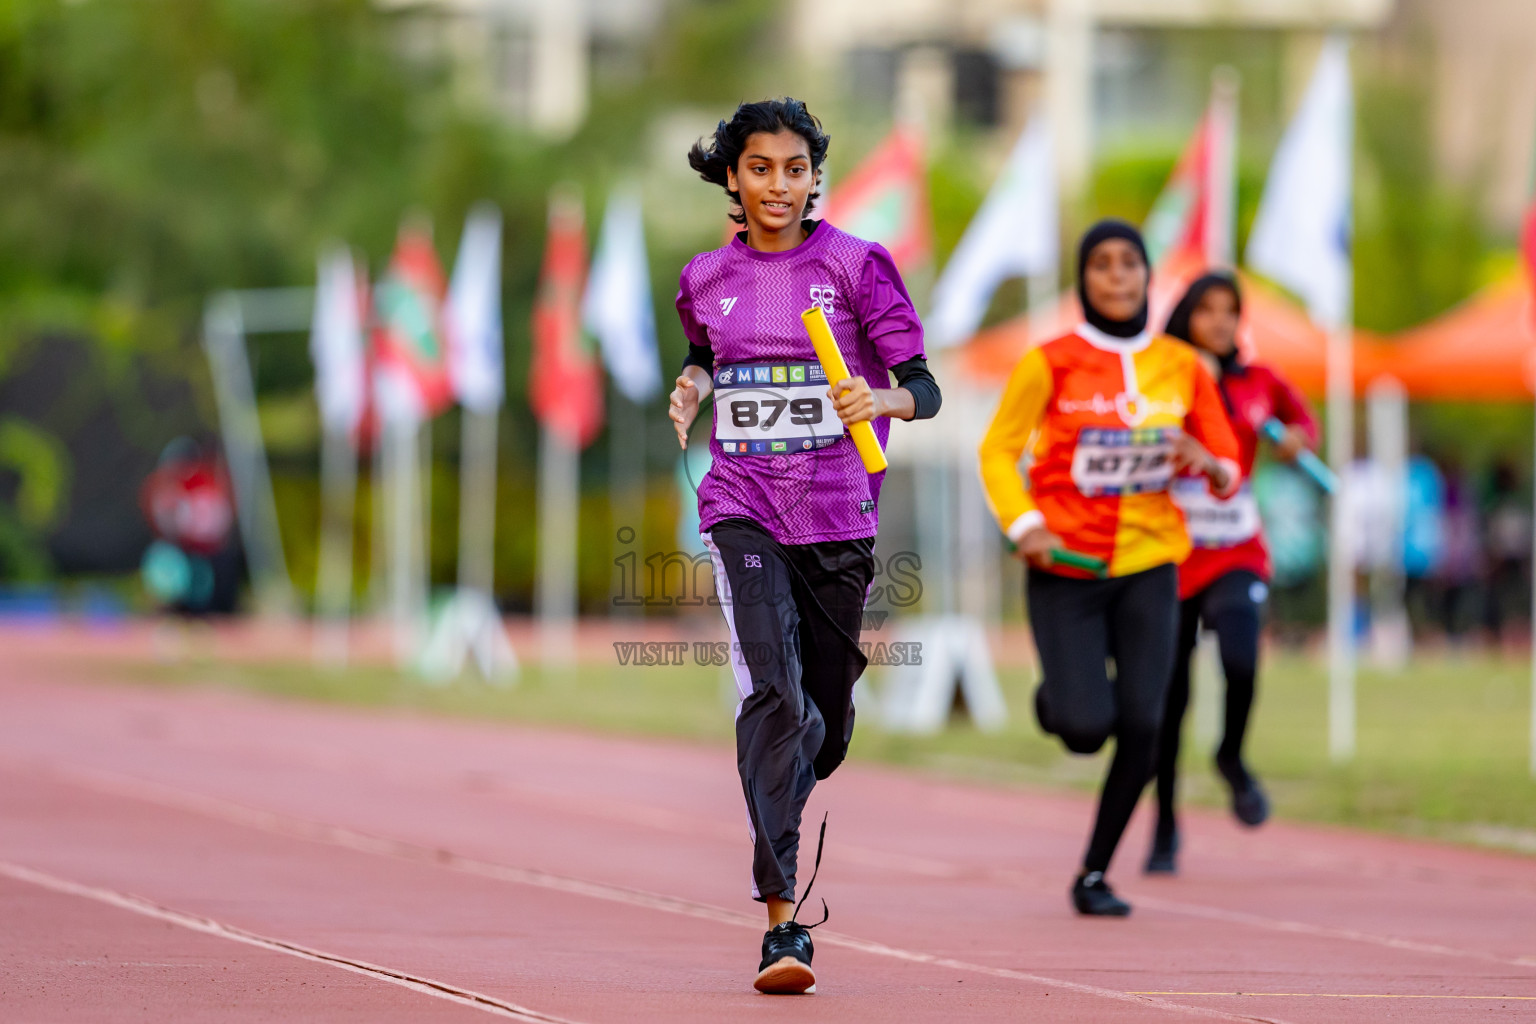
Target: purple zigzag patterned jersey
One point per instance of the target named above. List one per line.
(745, 305)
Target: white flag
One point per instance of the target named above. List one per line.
(617, 306)
(1301, 236)
(1015, 233)
(472, 316)
(336, 343)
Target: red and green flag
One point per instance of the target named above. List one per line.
(885, 200)
(565, 383)
(409, 349)
(1192, 218)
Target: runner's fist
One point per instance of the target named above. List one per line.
(1292, 445)
(1189, 454)
(684, 408)
(1037, 546)
(854, 400)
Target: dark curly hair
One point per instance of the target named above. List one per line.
(770, 116)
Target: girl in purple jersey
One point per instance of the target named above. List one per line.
(787, 511)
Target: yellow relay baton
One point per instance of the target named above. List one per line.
(836, 369)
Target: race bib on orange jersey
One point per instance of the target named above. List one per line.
(1108, 462)
(1213, 522)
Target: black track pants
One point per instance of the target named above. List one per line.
(1231, 607)
(1080, 626)
(794, 612)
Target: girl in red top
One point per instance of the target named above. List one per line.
(1224, 582)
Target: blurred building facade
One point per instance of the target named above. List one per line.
(1104, 69)
(534, 60)
(1100, 67)
(1482, 76)
(1085, 61)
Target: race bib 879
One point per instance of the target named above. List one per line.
(1112, 462)
(774, 409)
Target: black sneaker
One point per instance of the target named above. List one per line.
(1093, 897)
(1249, 804)
(787, 948)
(786, 966)
(1163, 858)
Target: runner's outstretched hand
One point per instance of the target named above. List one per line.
(1037, 546)
(683, 408)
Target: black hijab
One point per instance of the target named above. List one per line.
(1101, 232)
(1178, 320)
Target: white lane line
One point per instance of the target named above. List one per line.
(1347, 995)
(208, 926)
(334, 835)
(1325, 932)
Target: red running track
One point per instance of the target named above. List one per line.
(205, 855)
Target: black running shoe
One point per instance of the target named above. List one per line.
(1163, 858)
(1093, 897)
(1249, 804)
(787, 948)
(786, 966)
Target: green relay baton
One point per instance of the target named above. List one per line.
(1078, 560)
(1072, 559)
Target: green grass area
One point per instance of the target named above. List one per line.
(1442, 745)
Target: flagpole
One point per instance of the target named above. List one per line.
(1341, 567)
(480, 620)
(1386, 417)
(424, 450)
(402, 438)
(477, 501)
(333, 584)
(379, 490)
(1221, 219)
(626, 477)
(559, 470)
(1301, 237)
(1533, 631)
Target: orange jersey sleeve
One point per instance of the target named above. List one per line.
(1019, 415)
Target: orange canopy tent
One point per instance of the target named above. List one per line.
(1275, 332)
(1483, 350)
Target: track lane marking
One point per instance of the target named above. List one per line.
(170, 796)
(346, 838)
(209, 926)
(1341, 995)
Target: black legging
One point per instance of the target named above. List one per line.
(1079, 625)
(1230, 606)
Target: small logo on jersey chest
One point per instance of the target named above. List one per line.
(726, 305)
(825, 296)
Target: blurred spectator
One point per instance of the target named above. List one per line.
(1291, 509)
(1423, 532)
(1507, 540)
(1460, 566)
(194, 566)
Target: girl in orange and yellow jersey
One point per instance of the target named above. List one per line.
(1109, 415)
